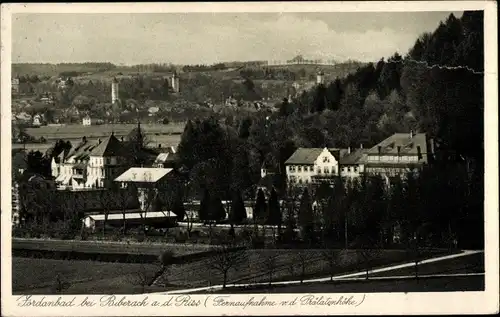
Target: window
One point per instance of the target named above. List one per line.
(355, 168)
(311, 169)
(325, 170)
(299, 168)
(319, 170)
(326, 159)
(348, 169)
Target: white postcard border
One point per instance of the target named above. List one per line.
(374, 303)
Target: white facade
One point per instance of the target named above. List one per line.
(319, 78)
(37, 120)
(393, 158)
(352, 171)
(87, 121)
(324, 165)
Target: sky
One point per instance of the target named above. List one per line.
(206, 38)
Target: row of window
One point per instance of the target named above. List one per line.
(325, 170)
(299, 168)
(293, 180)
(349, 169)
(393, 158)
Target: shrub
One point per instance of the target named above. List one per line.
(167, 258)
(140, 237)
(180, 237)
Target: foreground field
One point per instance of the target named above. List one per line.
(32, 276)
(37, 276)
(287, 265)
(106, 246)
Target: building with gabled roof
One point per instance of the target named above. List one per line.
(90, 164)
(398, 154)
(149, 181)
(313, 165)
(143, 175)
(353, 163)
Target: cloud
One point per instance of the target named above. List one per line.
(202, 38)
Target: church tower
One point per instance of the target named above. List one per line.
(320, 77)
(114, 91)
(175, 82)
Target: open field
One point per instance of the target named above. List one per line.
(106, 246)
(287, 267)
(39, 275)
(72, 131)
(90, 277)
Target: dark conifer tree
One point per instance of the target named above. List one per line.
(306, 217)
(238, 212)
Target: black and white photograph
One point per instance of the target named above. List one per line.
(280, 152)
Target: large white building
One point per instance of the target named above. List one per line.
(313, 165)
(396, 155)
(91, 164)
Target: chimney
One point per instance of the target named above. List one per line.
(379, 149)
(121, 138)
(399, 149)
(159, 145)
(411, 134)
(419, 152)
(349, 150)
(99, 141)
(361, 146)
(84, 139)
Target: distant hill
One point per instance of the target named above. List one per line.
(72, 69)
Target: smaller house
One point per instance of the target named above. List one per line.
(47, 99)
(148, 181)
(167, 159)
(87, 121)
(37, 120)
(15, 85)
(270, 177)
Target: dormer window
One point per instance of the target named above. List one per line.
(326, 160)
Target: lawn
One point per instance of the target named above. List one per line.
(39, 275)
(106, 246)
(288, 266)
